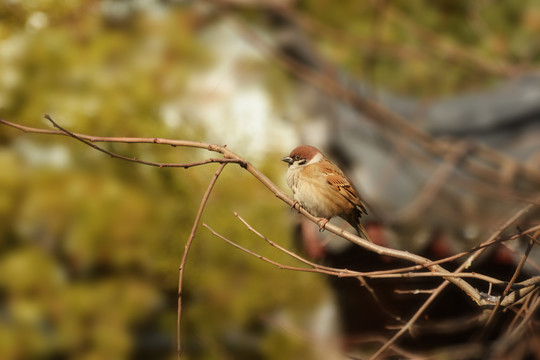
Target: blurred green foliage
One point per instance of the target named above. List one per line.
(90, 246)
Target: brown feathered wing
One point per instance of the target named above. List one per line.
(338, 181)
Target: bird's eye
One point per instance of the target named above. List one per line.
(296, 157)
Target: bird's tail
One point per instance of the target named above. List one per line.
(362, 232)
(355, 222)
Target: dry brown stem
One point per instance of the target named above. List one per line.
(186, 251)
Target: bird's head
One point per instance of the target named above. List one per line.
(303, 155)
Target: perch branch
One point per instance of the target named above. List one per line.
(418, 260)
(376, 274)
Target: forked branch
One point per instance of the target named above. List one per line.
(229, 156)
(513, 292)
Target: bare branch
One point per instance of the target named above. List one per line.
(484, 165)
(509, 286)
(516, 334)
(275, 263)
(374, 274)
(513, 293)
(507, 301)
(331, 271)
(186, 251)
(435, 183)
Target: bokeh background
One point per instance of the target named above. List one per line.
(90, 246)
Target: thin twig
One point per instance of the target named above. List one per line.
(227, 154)
(488, 279)
(530, 261)
(378, 301)
(337, 271)
(523, 288)
(489, 321)
(363, 338)
(313, 341)
(186, 251)
(519, 313)
(436, 47)
(414, 292)
(434, 41)
(480, 166)
(445, 283)
(379, 274)
(457, 256)
(435, 183)
(275, 263)
(516, 334)
(144, 162)
(411, 321)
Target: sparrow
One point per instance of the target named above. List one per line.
(322, 188)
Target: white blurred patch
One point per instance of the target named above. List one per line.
(170, 115)
(37, 21)
(12, 50)
(324, 326)
(232, 102)
(10, 77)
(50, 155)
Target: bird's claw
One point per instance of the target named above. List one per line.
(322, 224)
(294, 204)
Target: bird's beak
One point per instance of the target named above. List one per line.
(287, 159)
